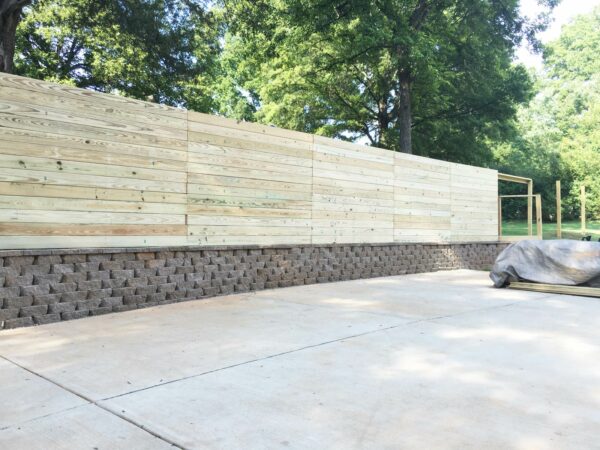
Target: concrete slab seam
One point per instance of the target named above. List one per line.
(89, 402)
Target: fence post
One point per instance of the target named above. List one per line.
(583, 227)
(538, 216)
(530, 208)
(499, 217)
(558, 211)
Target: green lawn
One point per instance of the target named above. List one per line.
(570, 229)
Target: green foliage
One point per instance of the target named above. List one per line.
(165, 50)
(335, 68)
(558, 133)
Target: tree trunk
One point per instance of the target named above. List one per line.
(10, 15)
(405, 113)
(383, 122)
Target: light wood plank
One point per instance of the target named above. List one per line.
(250, 231)
(78, 192)
(90, 107)
(198, 153)
(87, 144)
(67, 167)
(246, 135)
(87, 217)
(30, 84)
(54, 204)
(90, 131)
(54, 242)
(243, 240)
(96, 229)
(253, 127)
(582, 291)
(89, 156)
(244, 211)
(73, 179)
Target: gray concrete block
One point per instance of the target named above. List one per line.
(61, 307)
(46, 319)
(69, 315)
(18, 323)
(36, 310)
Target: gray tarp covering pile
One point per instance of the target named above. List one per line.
(553, 262)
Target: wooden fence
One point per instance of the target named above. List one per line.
(84, 169)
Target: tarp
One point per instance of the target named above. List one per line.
(564, 262)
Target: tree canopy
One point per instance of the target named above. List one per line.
(164, 50)
(384, 70)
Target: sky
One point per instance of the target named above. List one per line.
(562, 15)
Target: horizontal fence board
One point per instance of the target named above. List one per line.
(93, 131)
(108, 122)
(232, 230)
(197, 129)
(63, 166)
(96, 229)
(244, 211)
(216, 200)
(244, 240)
(223, 123)
(71, 93)
(52, 242)
(200, 152)
(87, 217)
(79, 192)
(53, 139)
(197, 139)
(57, 177)
(55, 204)
(90, 107)
(89, 156)
(288, 175)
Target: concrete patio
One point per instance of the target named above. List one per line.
(437, 360)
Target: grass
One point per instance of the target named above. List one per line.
(570, 229)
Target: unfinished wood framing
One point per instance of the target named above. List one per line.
(84, 169)
(538, 217)
(530, 196)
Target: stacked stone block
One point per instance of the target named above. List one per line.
(44, 286)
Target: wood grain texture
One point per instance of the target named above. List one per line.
(474, 195)
(85, 169)
(353, 193)
(79, 168)
(248, 183)
(422, 199)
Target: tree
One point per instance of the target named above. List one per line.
(558, 136)
(163, 50)
(436, 75)
(10, 16)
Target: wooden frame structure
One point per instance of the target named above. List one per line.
(530, 197)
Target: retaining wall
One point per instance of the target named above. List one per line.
(38, 287)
